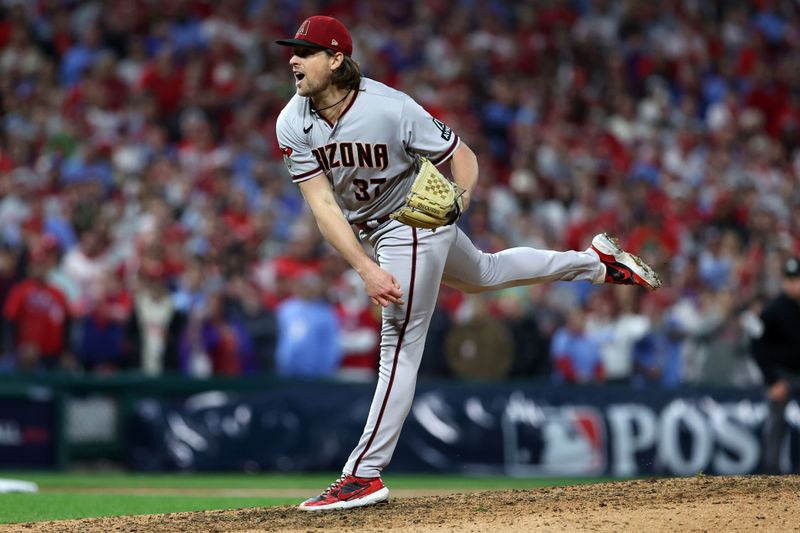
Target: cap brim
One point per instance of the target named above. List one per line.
(299, 42)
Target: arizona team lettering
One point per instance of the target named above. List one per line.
(352, 154)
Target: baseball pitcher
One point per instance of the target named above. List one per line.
(365, 155)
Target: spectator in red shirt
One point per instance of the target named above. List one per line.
(360, 325)
(164, 79)
(301, 257)
(37, 317)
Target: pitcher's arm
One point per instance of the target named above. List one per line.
(382, 288)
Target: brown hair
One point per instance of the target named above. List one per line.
(348, 75)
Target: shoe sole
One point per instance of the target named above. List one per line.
(608, 245)
(380, 496)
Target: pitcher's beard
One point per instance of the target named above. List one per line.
(310, 89)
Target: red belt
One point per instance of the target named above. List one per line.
(370, 225)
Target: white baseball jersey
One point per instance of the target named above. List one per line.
(370, 150)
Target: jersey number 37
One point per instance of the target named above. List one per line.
(363, 188)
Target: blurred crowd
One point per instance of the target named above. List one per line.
(147, 222)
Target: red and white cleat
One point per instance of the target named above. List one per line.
(622, 267)
(348, 492)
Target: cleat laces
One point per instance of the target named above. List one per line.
(335, 485)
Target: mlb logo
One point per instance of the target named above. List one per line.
(568, 440)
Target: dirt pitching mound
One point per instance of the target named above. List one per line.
(758, 503)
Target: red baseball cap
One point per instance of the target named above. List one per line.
(322, 32)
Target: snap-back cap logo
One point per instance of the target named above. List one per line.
(303, 29)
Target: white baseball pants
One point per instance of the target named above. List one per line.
(420, 260)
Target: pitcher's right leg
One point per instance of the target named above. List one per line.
(472, 270)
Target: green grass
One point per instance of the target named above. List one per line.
(63, 505)
(57, 502)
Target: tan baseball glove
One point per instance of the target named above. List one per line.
(433, 200)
